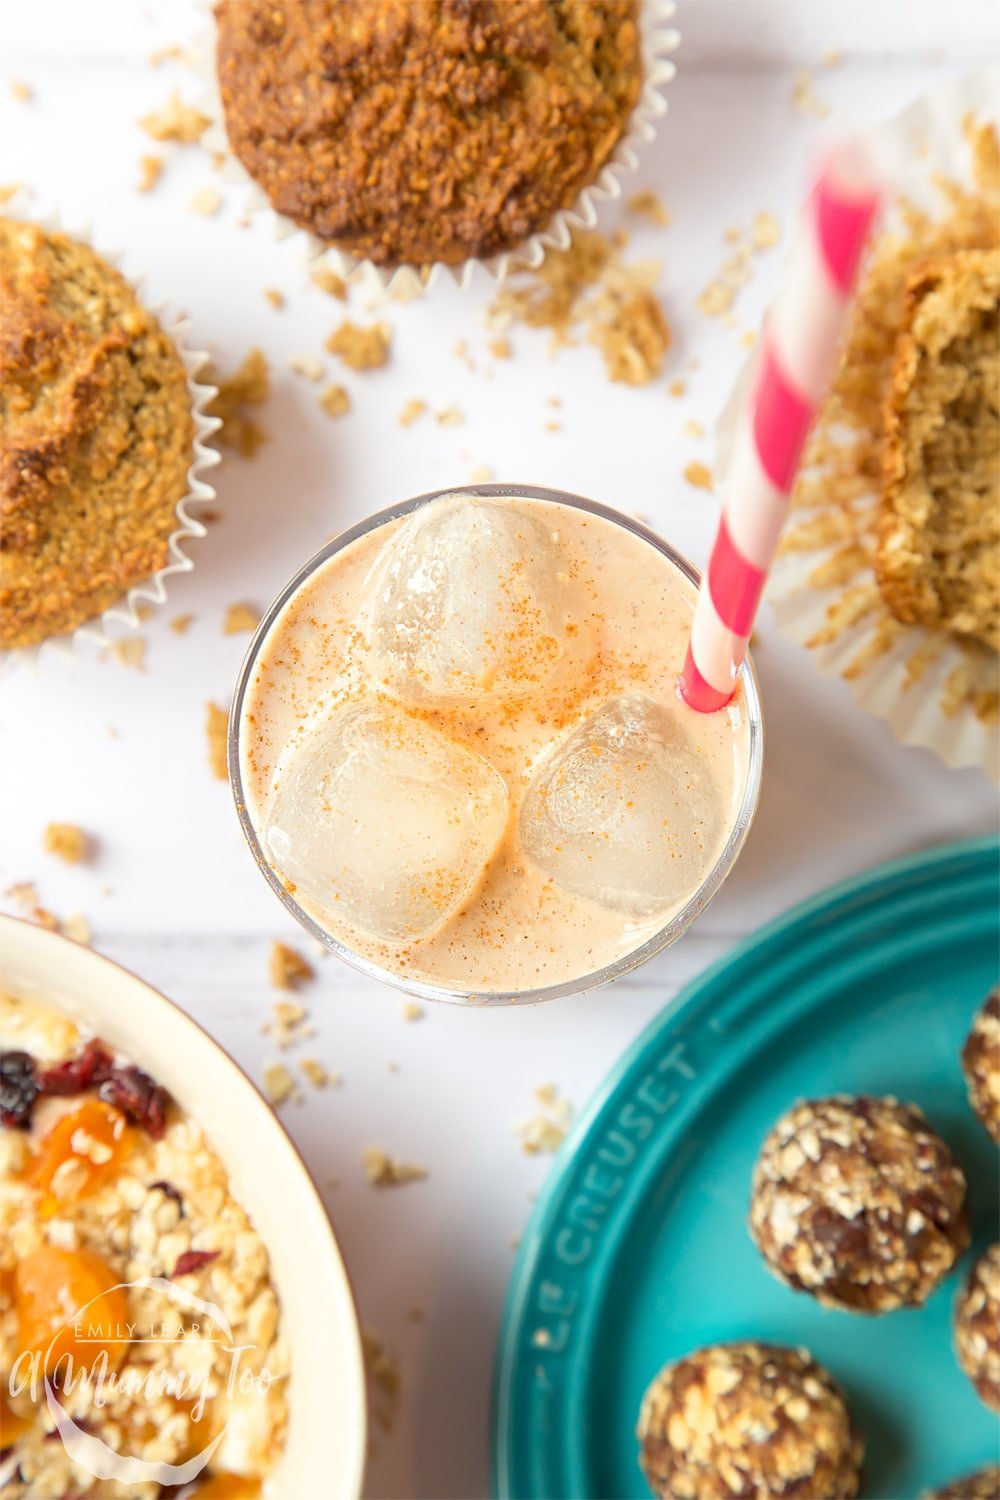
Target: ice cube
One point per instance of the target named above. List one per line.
(625, 811)
(470, 602)
(382, 821)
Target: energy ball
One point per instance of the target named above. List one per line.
(981, 1064)
(748, 1420)
(984, 1484)
(977, 1327)
(857, 1201)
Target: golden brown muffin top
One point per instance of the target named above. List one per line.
(413, 131)
(96, 435)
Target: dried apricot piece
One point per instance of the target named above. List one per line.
(82, 1150)
(69, 1302)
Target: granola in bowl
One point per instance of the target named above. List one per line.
(141, 1340)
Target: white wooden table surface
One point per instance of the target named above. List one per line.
(173, 893)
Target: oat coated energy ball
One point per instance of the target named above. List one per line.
(981, 1064)
(977, 1326)
(857, 1201)
(984, 1484)
(748, 1421)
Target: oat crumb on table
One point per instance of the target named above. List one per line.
(449, 416)
(335, 401)
(165, 54)
(545, 1130)
(68, 841)
(21, 92)
(287, 968)
(414, 409)
(649, 205)
(217, 731)
(383, 1170)
(384, 1380)
(275, 298)
(206, 201)
(176, 121)
(410, 1011)
(328, 281)
(279, 1085)
(249, 385)
(150, 171)
(361, 348)
(699, 476)
(315, 1072)
(181, 624)
(306, 365)
(239, 618)
(130, 650)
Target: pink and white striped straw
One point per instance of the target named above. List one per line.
(799, 346)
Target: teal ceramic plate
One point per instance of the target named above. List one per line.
(638, 1249)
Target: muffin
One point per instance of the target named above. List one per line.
(857, 1201)
(413, 131)
(748, 1419)
(938, 554)
(97, 436)
(977, 1327)
(981, 1064)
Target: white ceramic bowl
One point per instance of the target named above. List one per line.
(327, 1430)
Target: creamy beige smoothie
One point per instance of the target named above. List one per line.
(463, 753)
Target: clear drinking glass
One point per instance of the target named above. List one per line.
(667, 934)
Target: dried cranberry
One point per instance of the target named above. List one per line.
(193, 1260)
(18, 1088)
(88, 1068)
(169, 1191)
(137, 1096)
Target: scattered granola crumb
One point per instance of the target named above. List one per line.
(21, 91)
(500, 348)
(449, 416)
(130, 650)
(67, 842)
(8, 190)
(329, 282)
(481, 474)
(832, 57)
(274, 297)
(289, 1023)
(315, 1072)
(287, 968)
(165, 54)
(383, 1171)
(240, 617)
(150, 169)
(383, 1379)
(545, 1130)
(217, 729)
(748, 339)
(206, 201)
(247, 386)
(553, 427)
(588, 287)
(307, 365)
(698, 476)
(279, 1085)
(361, 348)
(413, 409)
(676, 388)
(180, 624)
(78, 928)
(649, 205)
(23, 893)
(694, 429)
(804, 101)
(765, 231)
(410, 1011)
(176, 121)
(335, 401)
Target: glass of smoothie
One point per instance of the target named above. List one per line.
(460, 758)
